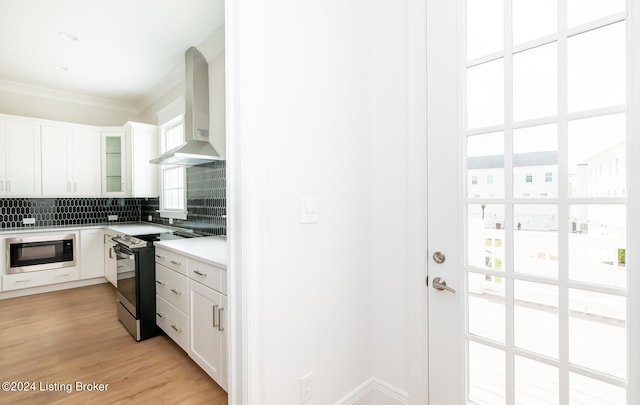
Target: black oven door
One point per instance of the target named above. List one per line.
(126, 275)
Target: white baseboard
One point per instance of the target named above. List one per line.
(375, 392)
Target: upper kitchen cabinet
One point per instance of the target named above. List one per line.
(114, 154)
(142, 143)
(20, 160)
(126, 152)
(69, 163)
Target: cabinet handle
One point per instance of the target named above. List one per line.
(215, 309)
(110, 253)
(159, 315)
(173, 290)
(26, 281)
(199, 273)
(75, 187)
(175, 328)
(68, 187)
(160, 257)
(160, 282)
(220, 327)
(62, 275)
(176, 263)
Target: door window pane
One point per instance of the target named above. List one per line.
(535, 383)
(485, 94)
(535, 239)
(597, 157)
(535, 152)
(535, 82)
(597, 332)
(534, 19)
(486, 306)
(583, 11)
(597, 68)
(485, 165)
(486, 374)
(536, 317)
(485, 22)
(587, 391)
(485, 233)
(597, 244)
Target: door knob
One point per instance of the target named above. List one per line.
(441, 285)
(439, 257)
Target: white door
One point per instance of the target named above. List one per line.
(532, 130)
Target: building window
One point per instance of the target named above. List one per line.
(548, 177)
(474, 179)
(529, 178)
(172, 178)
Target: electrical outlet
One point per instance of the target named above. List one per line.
(112, 217)
(306, 387)
(28, 221)
(170, 221)
(150, 218)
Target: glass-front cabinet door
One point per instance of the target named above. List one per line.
(113, 163)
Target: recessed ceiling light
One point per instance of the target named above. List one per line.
(61, 68)
(68, 36)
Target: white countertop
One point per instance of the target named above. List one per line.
(139, 229)
(209, 249)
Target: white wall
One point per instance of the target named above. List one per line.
(389, 172)
(31, 101)
(322, 116)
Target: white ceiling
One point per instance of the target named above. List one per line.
(124, 47)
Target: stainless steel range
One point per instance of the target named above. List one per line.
(136, 281)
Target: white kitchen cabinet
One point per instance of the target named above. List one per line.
(142, 145)
(114, 155)
(110, 260)
(126, 152)
(191, 312)
(20, 159)
(207, 334)
(39, 278)
(69, 163)
(91, 253)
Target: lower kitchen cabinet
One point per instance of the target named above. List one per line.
(208, 338)
(192, 313)
(39, 278)
(110, 261)
(91, 247)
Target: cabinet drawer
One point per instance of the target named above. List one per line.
(171, 260)
(172, 321)
(172, 286)
(38, 278)
(209, 275)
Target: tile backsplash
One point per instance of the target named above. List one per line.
(52, 212)
(206, 201)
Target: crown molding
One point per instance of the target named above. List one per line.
(30, 90)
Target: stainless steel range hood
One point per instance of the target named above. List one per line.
(196, 149)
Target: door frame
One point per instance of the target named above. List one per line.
(417, 200)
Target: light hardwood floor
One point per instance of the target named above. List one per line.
(73, 336)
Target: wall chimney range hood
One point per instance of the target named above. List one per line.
(196, 149)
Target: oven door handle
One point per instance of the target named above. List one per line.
(123, 253)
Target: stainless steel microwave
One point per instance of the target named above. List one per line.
(34, 253)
